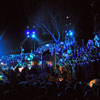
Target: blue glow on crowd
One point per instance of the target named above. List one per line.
(66, 54)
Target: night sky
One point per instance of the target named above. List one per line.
(15, 15)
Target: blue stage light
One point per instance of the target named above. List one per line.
(99, 54)
(62, 43)
(33, 35)
(67, 34)
(71, 33)
(28, 33)
(28, 36)
(47, 45)
(33, 32)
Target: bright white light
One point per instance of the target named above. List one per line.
(62, 43)
(28, 36)
(47, 45)
(67, 34)
(33, 35)
(71, 33)
(2, 63)
(67, 17)
(28, 32)
(33, 32)
(27, 26)
(29, 68)
(20, 69)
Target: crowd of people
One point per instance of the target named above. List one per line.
(22, 77)
(46, 90)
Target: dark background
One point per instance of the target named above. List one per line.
(15, 15)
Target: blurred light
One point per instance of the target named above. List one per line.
(14, 68)
(33, 35)
(96, 38)
(49, 63)
(68, 51)
(47, 45)
(33, 63)
(28, 33)
(33, 26)
(62, 43)
(1, 36)
(28, 59)
(27, 26)
(40, 63)
(28, 36)
(31, 56)
(2, 63)
(99, 54)
(71, 33)
(29, 68)
(67, 17)
(92, 82)
(67, 34)
(61, 69)
(61, 79)
(1, 77)
(29, 65)
(20, 69)
(22, 50)
(33, 32)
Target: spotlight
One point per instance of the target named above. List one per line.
(71, 33)
(28, 36)
(67, 34)
(33, 32)
(28, 33)
(47, 45)
(33, 35)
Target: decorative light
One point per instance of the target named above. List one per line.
(2, 63)
(28, 36)
(67, 34)
(20, 69)
(28, 33)
(47, 45)
(67, 17)
(71, 33)
(33, 35)
(33, 32)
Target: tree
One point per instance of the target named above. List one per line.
(51, 24)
